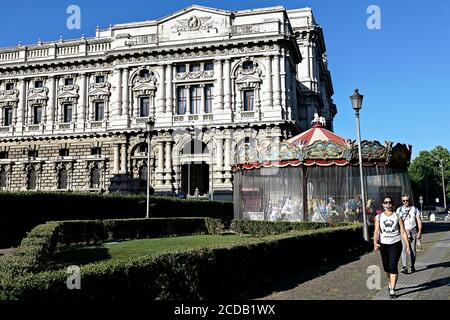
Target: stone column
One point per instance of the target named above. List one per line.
(51, 104)
(169, 90)
(160, 156)
(123, 161)
(161, 92)
(227, 164)
(202, 99)
(219, 153)
(218, 99)
(268, 101)
(81, 119)
(276, 82)
(188, 100)
(168, 168)
(125, 95)
(116, 158)
(117, 94)
(227, 85)
(22, 104)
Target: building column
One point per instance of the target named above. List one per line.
(21, 106)
(162, 91)
(117, 94)
(51, 104)
(218, 99)
(116, 158)
(168, 168)
(160, 163)
(125, 95)
(227, 166)
(82, 102)
(123, 161)
(202, 99)
(219, 160)
(169, 91)
(276, 82)
(268, 102)
(227, 85)
(188, 100)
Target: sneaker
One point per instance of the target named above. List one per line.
(404, 270)
(392, 294)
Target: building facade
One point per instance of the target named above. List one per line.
(73, 113)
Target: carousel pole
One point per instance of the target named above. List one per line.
(357, 99)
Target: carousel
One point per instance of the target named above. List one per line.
(314, 176)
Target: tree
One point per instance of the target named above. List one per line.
(426, 178)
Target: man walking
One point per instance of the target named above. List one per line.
(413, 226)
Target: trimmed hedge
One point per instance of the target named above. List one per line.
(223, 272)
(35, 250)
(265, 228)
(21, 212)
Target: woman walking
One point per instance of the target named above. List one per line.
(389, 230)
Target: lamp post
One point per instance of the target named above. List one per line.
(441, 165)
(357, 99)
(149, 126)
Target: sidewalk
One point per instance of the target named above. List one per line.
(346, 279)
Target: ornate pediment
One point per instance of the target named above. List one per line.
(68, 92)
(99, 91)
(9, 97)
(38, 94)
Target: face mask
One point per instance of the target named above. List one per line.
(387, 207)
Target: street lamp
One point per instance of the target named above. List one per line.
(441, 165)
(357, 99)
(149, 126)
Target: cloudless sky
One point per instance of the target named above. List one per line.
(402, 70)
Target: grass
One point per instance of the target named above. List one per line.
(80, 255)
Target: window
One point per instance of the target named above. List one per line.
(209, 66)
(37, 115)
(3, 154)
(62, 179)
(195, 67)
(196, 100)
(67, 113)
(247, 65)
(9, 86)
(181, 68)
(143, 148)
(68, 81)
(95, 178)
(8, 115)
(144, 106)
(32, 153)
(2, 179)
(38, 84)
(249, 99)
(97, 151)
(99, 111)
(209, 97)
(181, 100)
(31, 179)
(64, 152)
(144, 73)
(100, 79)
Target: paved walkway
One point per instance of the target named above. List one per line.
(346, 278)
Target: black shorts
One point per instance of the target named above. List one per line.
(390, 255)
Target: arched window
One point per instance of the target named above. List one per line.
(31, 179)
(95, 178)
(247, 65)
(195, 147)
(2, 179)
(144, 73)
(62, 179)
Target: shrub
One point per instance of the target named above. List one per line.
(22, 211)
(264, 228)
(223, 272)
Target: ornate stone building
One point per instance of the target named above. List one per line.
(73, 113)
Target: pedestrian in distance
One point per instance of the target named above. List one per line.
(413, 226)
(389, 230)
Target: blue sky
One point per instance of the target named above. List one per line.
(402, 70)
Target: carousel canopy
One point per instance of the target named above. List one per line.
(319, 146)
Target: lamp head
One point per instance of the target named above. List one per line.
(356, 99)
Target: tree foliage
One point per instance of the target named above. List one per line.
(426, 177)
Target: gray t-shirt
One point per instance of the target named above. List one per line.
(389, 228)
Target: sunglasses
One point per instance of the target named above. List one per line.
(386, 202)
(405, 200)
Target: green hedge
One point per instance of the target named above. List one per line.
(35, 250)
(265, 228)
(21, 212)
(223, 272)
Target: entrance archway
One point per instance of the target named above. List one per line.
(195, 168)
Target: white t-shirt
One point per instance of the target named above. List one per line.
(409, 216)
(389, 228)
